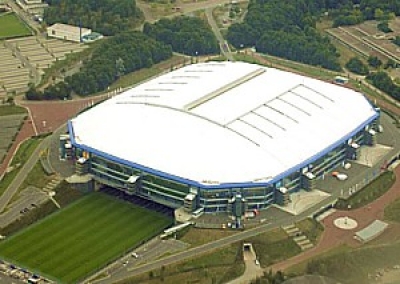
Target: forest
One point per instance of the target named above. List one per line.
(282, 28)
(287, 28)
(116, 56)
(107, 17)
(187, 35)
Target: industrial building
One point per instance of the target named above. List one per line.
(221, 136)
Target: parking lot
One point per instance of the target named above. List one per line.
(10, 273)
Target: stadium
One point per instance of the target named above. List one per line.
(213, 136)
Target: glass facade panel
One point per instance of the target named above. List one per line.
(172, 193)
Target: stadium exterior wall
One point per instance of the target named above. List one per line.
(212, 197)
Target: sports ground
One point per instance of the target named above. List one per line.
(12, 26)
(82, 238)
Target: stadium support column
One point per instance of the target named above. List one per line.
(237, 206)
(190, 202)
(370, 137)
(308, 181)
(282, 196)
(353, 151)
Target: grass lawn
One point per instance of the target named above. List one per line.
(219, 266)
(25, 150)
(369, 193)
(144, 74)
(78, 240)
(392, 211)
(274, 246)
(23, 153)
(197, 237)
(352, 266)
(11, 109)
(311, 228)
(12, 26)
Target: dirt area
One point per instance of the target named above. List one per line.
(368, 40)
(391, 276)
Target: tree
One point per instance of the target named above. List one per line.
(396, 40)
(374, 61)
(10, 101)
(379, 14)
(119, 65)
(384, 27)
(390, 64)
(33, 94)
(382, 81)
(355, 65)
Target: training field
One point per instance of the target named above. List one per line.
(80, 239)
(12, 26)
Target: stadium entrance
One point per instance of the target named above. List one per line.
(139, 201)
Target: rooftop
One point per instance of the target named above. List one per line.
(223, 122)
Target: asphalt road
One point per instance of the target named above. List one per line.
(6, 197)
(225, 50)
(24, 171)
(26, 198)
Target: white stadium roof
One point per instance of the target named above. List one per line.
(223, 122)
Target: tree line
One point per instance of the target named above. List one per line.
(351, 12)
(104, 16)
(116, 56)
(383, 82)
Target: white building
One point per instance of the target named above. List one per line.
(219, 129)
(67, 32)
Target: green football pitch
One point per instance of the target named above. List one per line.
(81, 238)
(12, 26)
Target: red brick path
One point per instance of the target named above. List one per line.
(47, 116)
(333, 236)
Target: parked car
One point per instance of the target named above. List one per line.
(341, 176)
